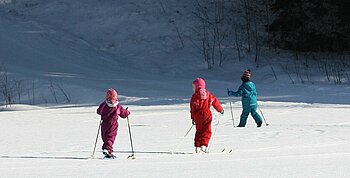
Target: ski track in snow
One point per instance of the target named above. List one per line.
(58, 142)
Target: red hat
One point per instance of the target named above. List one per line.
(199, 83)
(112, 95)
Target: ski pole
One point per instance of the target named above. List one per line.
(216, 127)
(132, 156)
(263, 117)
(189, 130)
(177, 145)
(233, 120)
(98, 132)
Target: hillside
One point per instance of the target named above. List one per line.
(85, 47)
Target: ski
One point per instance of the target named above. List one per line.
(107, 158)
(222, 151)
(131, 157)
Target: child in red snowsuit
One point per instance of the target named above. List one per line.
(109, 110)
(201, 101)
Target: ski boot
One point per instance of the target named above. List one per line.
(259, 124)
(204, 149)
(108, 155)
(197, 150)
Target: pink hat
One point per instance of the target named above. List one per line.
(112, 95)
(199, 83)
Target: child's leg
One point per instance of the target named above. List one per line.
(255, 114)
(110, 133)
(198, 136)
(206, 132)
(244, 117)
(104, 129)
(203, 132)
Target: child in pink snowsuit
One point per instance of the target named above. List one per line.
(109, 110)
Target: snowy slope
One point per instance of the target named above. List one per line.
(30, 50)
(87, 46)
(302, 141)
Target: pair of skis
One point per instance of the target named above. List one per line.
(223, 151)
(226, 151)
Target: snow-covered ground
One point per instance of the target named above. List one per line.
(302, 140)
(85, 47)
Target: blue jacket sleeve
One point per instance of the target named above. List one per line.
(238, 93)
(254, 91)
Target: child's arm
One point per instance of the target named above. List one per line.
(124, 113)
(100, 108)
(238, 93)
(255, 93)
(216, 104)
(192, 108)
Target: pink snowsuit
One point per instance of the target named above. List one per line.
(109, 127)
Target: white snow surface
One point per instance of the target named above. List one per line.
(301, 141)
(87, 46)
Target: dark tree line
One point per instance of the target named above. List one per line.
(225, 27)
(317, 33)
(311, 25)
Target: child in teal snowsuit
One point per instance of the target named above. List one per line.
(249, 103)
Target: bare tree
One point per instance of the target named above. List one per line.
(257, 47)
(53, 91)
(248, 22)
(221, 29)
(285, 69)
(213, 29)
(267, 14)
(238, 46)
(18, 89)
(57, 90)
(173, 21)
(65, 94)
(33, 92)
(201, 14)
(6, 86)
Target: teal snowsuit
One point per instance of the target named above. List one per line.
(249, 102)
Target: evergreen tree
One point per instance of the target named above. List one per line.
(311, 25)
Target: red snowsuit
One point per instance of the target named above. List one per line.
(109, 127)
(202, 116)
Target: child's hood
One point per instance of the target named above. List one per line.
(201, 94)
(249, 86)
